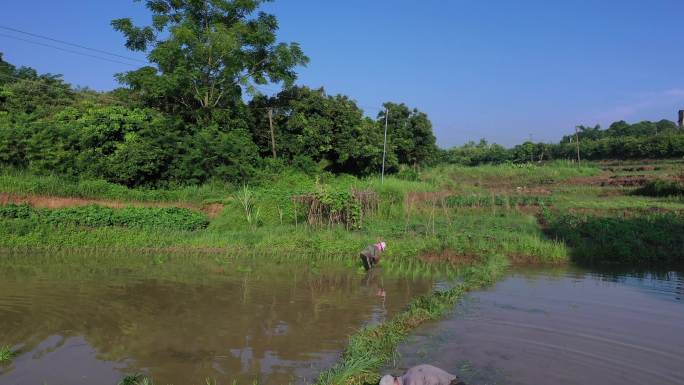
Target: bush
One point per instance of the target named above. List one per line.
(661, 188)
(642, 239)
(98, 216)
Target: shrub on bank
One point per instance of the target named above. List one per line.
(661, 188)
(98, 216)
(656, 238)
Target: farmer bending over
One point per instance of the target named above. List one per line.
(370, 256)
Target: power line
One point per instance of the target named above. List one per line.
(258, 87)
(67, 50)
(72, 44)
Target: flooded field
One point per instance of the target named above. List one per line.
(183, 321)
(562, 326)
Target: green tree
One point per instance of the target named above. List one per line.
(203, 53)
(409, 133)
(26, 96)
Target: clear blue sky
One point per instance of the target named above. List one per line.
(498, 69)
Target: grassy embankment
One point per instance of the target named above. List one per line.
(477, 219)
(415, 217)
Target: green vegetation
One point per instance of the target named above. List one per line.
(644, 238)
(294, 175)
(136, 379)
(451, 221)
(6, 354)
(508, 174)
(497, 200)
(172, 218)
(661, 188)
(643, 140)
(196, 115)
(25, 183)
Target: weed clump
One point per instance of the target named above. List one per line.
(329, 206)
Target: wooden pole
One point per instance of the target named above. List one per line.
(579, 162)
(681, 119)
(384, 148)
(270, 123)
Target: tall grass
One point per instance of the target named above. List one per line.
(24, 183)
(512, 174)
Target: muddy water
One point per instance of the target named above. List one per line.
(562, 326)
(92, 325)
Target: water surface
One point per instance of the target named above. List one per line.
(562, 326)
(80, 320)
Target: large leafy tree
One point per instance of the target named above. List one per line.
(409, 133)
(204, 53)
(26, 96)
(328, 129)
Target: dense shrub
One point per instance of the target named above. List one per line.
(640, 239)
(98, 216)
(661, 188)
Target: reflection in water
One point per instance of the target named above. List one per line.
(562, 326)
(272, 324)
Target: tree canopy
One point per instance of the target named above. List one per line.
(204, 53)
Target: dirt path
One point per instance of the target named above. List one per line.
(51, 202)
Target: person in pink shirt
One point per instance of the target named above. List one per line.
(370, 256)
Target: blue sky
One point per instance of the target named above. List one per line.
(500, 69)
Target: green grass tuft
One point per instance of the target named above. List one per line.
(6, 354)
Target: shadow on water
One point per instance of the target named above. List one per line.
(183, 319)
(654, 239)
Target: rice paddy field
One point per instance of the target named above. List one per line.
(262, 283)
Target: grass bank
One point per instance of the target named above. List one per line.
(639, 238)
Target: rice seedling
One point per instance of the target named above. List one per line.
(6, 354)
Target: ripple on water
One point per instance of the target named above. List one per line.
(570, 327)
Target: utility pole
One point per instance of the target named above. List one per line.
(384, 148)
(270, 123)
(579, 162)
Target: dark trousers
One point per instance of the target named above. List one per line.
(367, 262)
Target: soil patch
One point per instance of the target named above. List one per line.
(451, 257)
